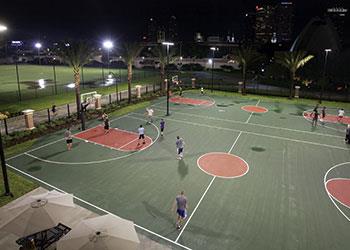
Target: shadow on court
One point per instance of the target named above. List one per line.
(182, 169)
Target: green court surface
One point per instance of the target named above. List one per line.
(282, 202)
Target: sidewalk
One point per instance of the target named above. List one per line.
(8, 240)
(18, 124)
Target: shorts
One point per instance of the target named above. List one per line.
(141, 137)
(180, 150)
(69, 141)
(161, 129)
(182, 213)
(106, 127)
(340, 116)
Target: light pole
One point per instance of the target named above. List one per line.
(38, 46)
(54, 74)
(213, 49)
(167, 44)
(108, 45)
(324, 72)
(3, 28)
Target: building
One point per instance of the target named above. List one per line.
(273, 23)
(338, 15)
(264, 23)
(284, 22)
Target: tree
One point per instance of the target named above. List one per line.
(160, 53)
(246, 57)
(76, 55)
(293, 60)
(129, 53)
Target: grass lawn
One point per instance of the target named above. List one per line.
(18, 184)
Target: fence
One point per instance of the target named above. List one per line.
(24, 81)
(17, 123)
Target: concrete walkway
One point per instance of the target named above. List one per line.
(8, 240)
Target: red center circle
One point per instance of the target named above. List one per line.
(254, 109)
(223, 165)
(339, 188)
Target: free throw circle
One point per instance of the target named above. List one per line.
(254, 109)
(223, 165)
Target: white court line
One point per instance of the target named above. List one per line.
(333, 179)
(94, 206)
(330, 195)
(126, 144)
(247, 121)
(53, 142)
(99, 161)
(255, 124)
(258, 134)
(205, 192)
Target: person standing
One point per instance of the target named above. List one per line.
(323, 113)
(106, 124)
(162, 126)
(180, 143)
(341, 113)
(69, 138)
(149, 112)
(347, 134)
(315, 118)
(141, 131)
(180, 204)
(54, 110)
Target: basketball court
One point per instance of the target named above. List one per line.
(257, 175)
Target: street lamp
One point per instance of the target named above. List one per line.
(324, 71)
(213, 49)
(3, 28)
(108, 45)
(167, 44)
(38, 46)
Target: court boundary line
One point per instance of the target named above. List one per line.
(55, 141)
(205, 192)
(255, 124)
(348, 179)
(219, 176)
(94, 206)
(258, 134)
(192, 107)
(329, 195)
(251, 114)
(99, 161)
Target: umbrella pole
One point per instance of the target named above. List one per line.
(4, 169)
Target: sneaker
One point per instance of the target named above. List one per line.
(178, 227)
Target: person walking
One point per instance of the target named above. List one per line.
(180, 204)
(162, 126)
(141, 131)
(54, 110)
(106, 124)
(180, 143)
(341, 113)
(69, 139)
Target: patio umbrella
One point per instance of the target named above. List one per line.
(101, 233)
(38, 212)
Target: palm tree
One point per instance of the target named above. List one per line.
(76, 55)
(160, 53)
(246, 57)
(129, 52)
(293, 60)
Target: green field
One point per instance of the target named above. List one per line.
(37, 98)
(280, 203)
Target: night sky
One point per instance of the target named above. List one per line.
(127, 20)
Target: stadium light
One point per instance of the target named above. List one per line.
(211, 61)
(168, 43)
(2, 28)
(108, 44)
(328, 50)
(38, 45)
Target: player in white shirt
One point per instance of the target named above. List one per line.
(141, 131)
(341, 113)
(149, 113)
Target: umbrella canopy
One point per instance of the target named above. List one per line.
(38, 212)
(101, 233)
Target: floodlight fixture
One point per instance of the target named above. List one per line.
(38, 45)
(108, 44)
(2, 28)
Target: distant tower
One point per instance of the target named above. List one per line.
(264, 23)
(284, 21)
(172, 34)
(338, 16)
(152, 30)
(249, 28)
